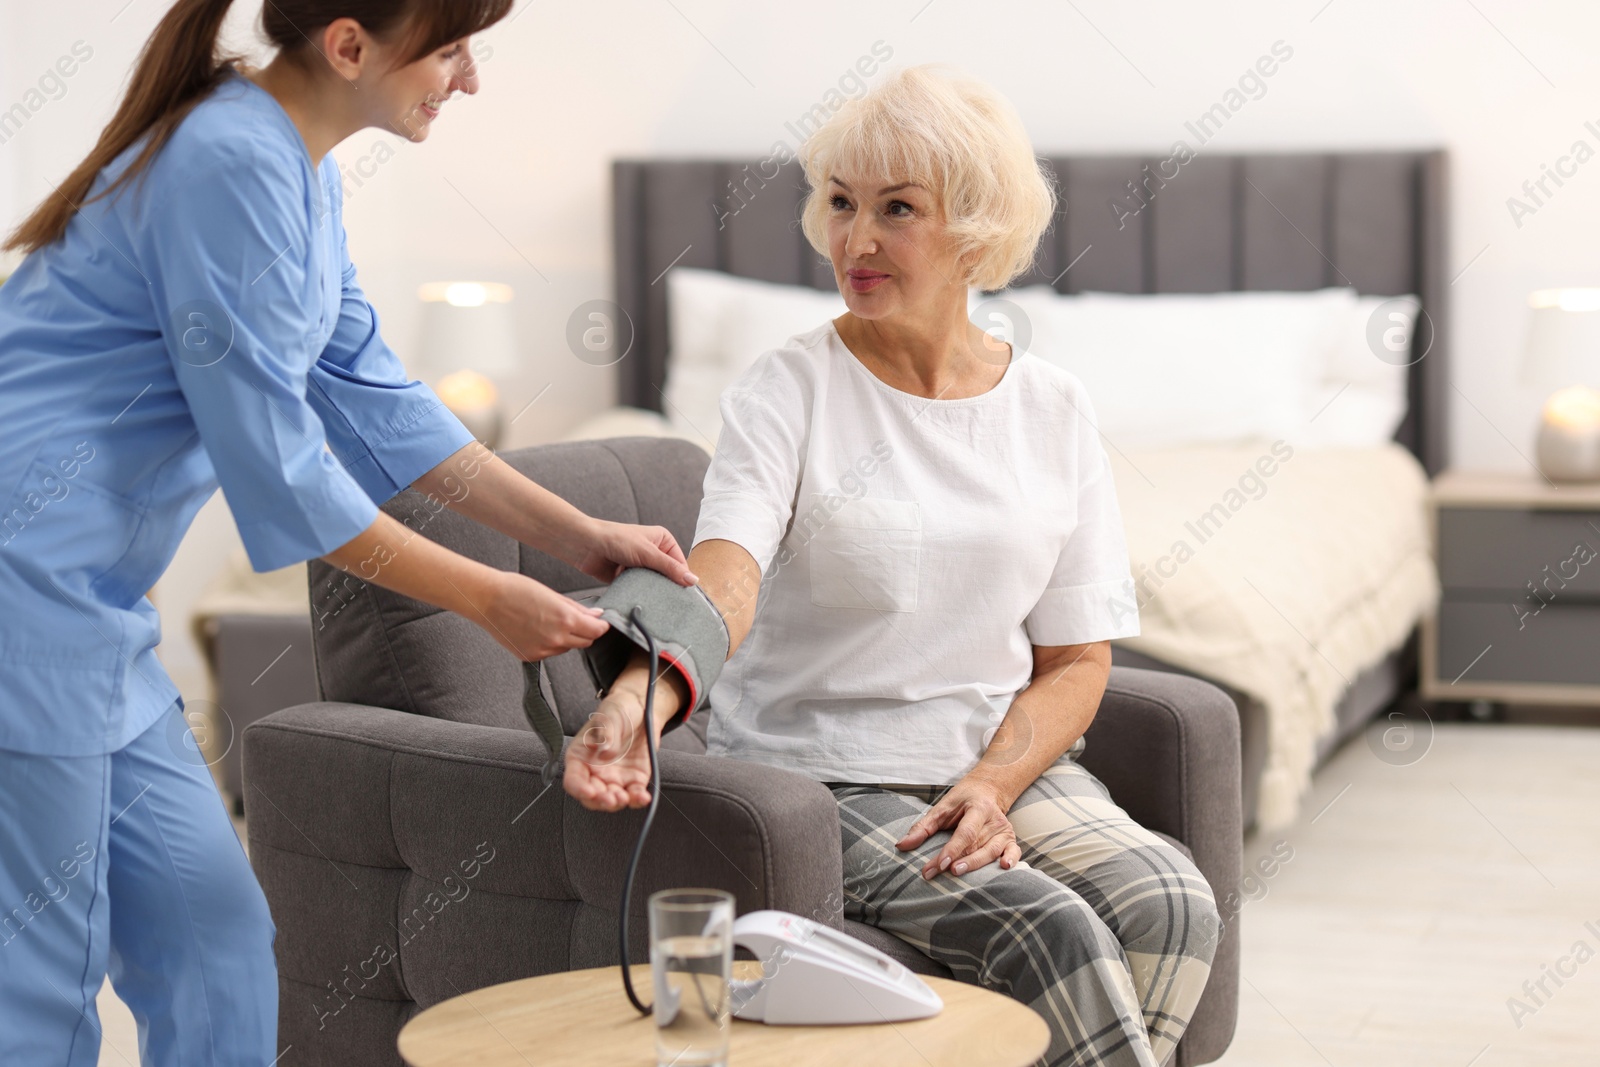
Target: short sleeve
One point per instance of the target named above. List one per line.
(750, 486)
(1090, 596)
(225, 249)
(386, 429)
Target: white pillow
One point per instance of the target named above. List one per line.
(719, 324)
(717, 327)
(1375, 342)
(1171, 369)
(1345, 415)
(1161, 369)
(716, 319)
(1361, 400)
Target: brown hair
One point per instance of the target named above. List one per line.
(179, 66)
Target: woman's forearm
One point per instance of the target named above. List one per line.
(487, 489)
(1045, 719)
(730, 578)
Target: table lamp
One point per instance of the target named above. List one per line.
(1562, 350)
(467, 334)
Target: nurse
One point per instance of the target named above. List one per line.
(187, 316)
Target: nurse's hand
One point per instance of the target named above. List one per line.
(534, 621)
(485, 488)
(612, 547)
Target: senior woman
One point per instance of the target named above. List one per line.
(912, 532)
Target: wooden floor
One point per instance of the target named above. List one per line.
(1416, 900)
(1420, 898)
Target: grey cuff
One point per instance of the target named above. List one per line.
(688, 630)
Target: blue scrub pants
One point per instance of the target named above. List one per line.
(127, 863)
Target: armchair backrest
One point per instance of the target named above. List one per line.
(373, 646)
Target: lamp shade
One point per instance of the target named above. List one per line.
(466, 326)
(1563, 340)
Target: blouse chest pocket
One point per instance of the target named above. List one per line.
(867, 554)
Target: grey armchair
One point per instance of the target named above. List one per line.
(409, 852)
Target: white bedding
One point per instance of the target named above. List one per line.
(1294, 593)
(1163, 369)
(1319, 570)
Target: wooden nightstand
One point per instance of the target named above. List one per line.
(1519, 616)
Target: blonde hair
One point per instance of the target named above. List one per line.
(963, 141)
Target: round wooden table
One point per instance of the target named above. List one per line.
(583, 1018)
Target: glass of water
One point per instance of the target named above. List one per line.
(691, 959)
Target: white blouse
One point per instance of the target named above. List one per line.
(912, 551)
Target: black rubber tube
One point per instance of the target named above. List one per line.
(649, 816)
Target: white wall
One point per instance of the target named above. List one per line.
(1505, 86)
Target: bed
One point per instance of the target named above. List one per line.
(1307, 613)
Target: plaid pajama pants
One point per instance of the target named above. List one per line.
(1104, 929)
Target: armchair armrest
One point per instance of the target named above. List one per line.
(357, 813)
(1166, 746)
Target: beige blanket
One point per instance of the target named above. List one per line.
(1285, 585)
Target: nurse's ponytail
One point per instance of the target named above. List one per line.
(179, 66)
(176, 69)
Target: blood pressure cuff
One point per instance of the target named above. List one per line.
(689, 633)
(687, 628)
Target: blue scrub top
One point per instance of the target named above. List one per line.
(202, 327)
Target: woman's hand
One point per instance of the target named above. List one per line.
(982, 834)
(534, 621)
(608, 762)
(609, 548)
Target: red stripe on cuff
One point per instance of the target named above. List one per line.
(694, 693)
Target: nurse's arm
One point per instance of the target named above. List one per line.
(608, 763)
(482, 486)
(527, 618)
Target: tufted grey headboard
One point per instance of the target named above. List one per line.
(1371, 220)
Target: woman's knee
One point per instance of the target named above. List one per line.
(1168, 908)
(1020, 930)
